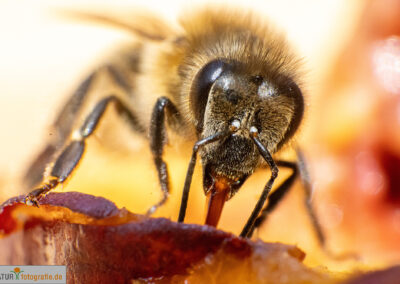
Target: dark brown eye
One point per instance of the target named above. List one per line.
(291, 89)
(201, 88)
(296, 94)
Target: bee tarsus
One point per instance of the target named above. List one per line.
(33, 197)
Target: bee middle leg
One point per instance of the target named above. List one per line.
(249, 227)
(277, 196)
(66, 162)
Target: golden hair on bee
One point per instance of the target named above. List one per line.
(212, 33)
(172, 55)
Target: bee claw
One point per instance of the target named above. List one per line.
(32, 200)
(153, 208)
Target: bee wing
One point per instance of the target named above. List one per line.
(143, 24)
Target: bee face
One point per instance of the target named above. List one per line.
(225, 92)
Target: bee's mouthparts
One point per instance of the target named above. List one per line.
(217, 194)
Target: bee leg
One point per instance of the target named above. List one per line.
(280, 192)
(249, 227)
(62, 168)
(63, 125)
(305, 178)
(65, 120)
(163, 109)
(275, 197)
(66, 162)
(190, 170)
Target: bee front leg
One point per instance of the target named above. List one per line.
(275, 197)
(66, 162)
(249, 227)
(164, 108)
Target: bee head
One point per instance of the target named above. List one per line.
(227, 95)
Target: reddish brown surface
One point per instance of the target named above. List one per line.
(388, 276)
(100, 243)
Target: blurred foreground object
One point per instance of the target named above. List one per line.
(102, 244)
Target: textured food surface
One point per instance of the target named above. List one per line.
(100, 243)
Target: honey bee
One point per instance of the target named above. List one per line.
(223, 79)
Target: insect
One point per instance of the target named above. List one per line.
(224, 80)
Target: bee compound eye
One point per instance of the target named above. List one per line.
(201, 87)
